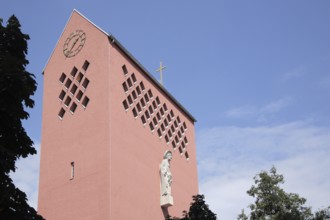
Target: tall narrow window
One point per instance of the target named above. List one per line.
(125, 105)
(142, 86)
(124, 69)
(80, 77)
(79, 95)
(150, 93)
(133, 78)
(73, 89)
(62, 78)
(62, 95)
(68, 83)
(61, 113)
(73, 108)
(72, 170)
(157, 101)
(165, 107)
(74, 72)
(146, 97)
(85, 83)
(125, 87)
(85, 102)
(147, 114)
(86, 65)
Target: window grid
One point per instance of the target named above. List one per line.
(150, 109)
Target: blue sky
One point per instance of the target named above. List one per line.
(255, 74)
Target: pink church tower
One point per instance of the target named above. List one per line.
(115, 144)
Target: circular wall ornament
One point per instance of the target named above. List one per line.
(74, 43)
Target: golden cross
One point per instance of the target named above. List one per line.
(160, 70)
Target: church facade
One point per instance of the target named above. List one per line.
(115, 143)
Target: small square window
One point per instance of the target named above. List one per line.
(162, 112)
(165, 122)
(172, 129)
(85, 102)
(159, 132)
(143, 103)
(125, 87)
(147, 114)
(184, 125)
(142, 86)
(79, 77)
(143, 119)
(129, 82)
(169, 133)
(180, 150)
(68, 83)
(151, 110)
(186, 155)
(176, 139)
(158, 117)
(73, 89)
(167, 139)
(178, 120)
(185, 140)
(155, 121)
(85, 83)
(134, 95)
(138, 90)
(124, 69)
(173, 145)
(146, 98)
(73, 107)
(74, 72)
(67, 101)
(62, 78)
(135, 113)
(150, 94)
(175, 124)
(157, 101)
(154, 105)
(79, 95)
(172, 114)
(134, 78)
(162, 127)
(125, 105)
(130, 100)
(169, 118)
(86, 65)
(182, 130)
(165, 107)
(61, 113)
(138, 106)
(152, 128)
(62, 95)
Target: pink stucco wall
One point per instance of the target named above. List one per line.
(116, 157)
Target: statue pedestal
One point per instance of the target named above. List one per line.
(166, 201)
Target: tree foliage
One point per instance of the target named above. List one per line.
(273, 203)
(198, 210)
(17, 86)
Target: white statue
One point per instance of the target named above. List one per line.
(166, 180)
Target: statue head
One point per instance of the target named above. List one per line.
(168, 155)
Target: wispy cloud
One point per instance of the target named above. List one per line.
(260, 113)
(229, 157)
(26, 177)
(294, 73)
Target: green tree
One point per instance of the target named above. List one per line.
(199, 210)
(272, 202)
(323, 214)
(16, 87)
